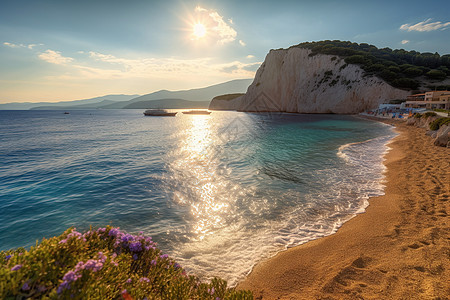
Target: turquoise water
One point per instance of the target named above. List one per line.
(218, 192)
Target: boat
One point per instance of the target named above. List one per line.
(197, 112)
(159, 113)
(66, 113)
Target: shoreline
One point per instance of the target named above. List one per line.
(395, 249)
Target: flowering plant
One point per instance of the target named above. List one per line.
(105, 263)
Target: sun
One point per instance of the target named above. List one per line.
(199, 30)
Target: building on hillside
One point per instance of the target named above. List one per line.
(428, 100)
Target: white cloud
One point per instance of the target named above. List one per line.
(11, 45)
(426, 25)
(405, 42)
(242, 43)
(109, 67)
(250, 56)
(217, 26)
(226, 33)
(29, 46)
(200, 9)
(54, 57)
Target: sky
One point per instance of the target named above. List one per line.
(55, 50)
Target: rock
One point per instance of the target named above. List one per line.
(411, 121)
(431, 133)
(291, 80)
(225, 102)
(443, 136)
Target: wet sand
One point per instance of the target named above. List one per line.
(398, 249)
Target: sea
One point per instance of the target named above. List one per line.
(219, 192)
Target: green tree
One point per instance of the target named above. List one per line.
(436, 74)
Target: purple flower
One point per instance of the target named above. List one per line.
(114, 232)
(211, 291)
(63, 286)
(129, 280)
(8, 257)
(153, 262)
(63, 241)
(25, 287)
(144, 279)
(98, 267)
(176, 266)
(135, 247)
(101, 230)
(90, 264)
(135, 257)
(101, 257)
(127, 237)
(71, 276)
(16, 268)
(124, 291)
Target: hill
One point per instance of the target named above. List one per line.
(200, 94)
(91, 102)
(81, 106)
(400, 68)
(168, 103)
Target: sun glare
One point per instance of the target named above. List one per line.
(199, 30)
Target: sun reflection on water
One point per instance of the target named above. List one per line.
(197, 173)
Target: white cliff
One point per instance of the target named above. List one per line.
(291, 80)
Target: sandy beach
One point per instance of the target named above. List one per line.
(397, 249)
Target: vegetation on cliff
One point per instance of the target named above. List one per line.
(228, 97)
(102, 264)
(400, 68)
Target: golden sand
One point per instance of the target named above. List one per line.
(398, 249)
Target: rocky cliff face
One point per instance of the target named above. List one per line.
(290, 80)
(226, 102)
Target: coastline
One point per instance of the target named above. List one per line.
(396, 249)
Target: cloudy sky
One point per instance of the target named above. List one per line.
(53, 50)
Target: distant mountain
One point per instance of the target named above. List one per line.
(200, 94)
(168, 103)
(91, 103)
(81, 106)
(122, 101)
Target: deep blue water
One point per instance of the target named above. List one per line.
(217, 192)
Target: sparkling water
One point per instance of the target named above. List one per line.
(218, 192)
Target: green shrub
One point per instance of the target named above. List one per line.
(436, 124)
(418, 116)
(406, 83)
(376, 68)
(429, 114)
(413, 72)
(355, 59)
(394, 69)
(436, 74)
(387, 75)
(102, 264)
(442, 110)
